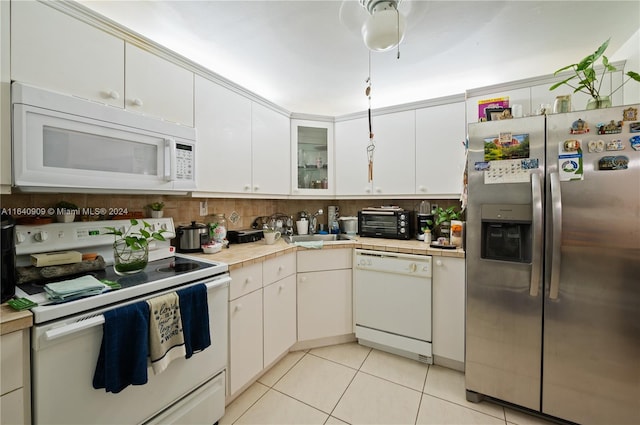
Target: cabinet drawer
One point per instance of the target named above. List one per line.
(324, 259)
(278, 268)
(11, 358)
(245, 280)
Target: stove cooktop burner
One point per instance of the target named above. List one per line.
(155, 270)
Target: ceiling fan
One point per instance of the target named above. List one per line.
(381, 23)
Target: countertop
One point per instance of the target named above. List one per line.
(12, 320)
(241, 255)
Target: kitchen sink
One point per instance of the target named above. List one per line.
(318, 237)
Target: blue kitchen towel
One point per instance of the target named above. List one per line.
(125, 347)
(194, 310)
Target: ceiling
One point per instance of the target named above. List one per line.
(309, 57)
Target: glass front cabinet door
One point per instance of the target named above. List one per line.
(312, 153)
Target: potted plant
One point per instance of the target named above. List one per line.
(442, 219)
(131, 248)
(65, 211)
(156, 209)
(587, 78)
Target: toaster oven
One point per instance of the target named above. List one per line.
(385, 222)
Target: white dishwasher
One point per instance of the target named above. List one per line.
(392, 302)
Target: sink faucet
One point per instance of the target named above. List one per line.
(313, 221)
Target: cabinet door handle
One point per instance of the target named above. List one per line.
(303, 279)
(248, 280)
(422, 188)
(438, 262)
(256, 188)
(137, 102)
(281, 287)
(247, 187)
(238, 307)
(112, 94)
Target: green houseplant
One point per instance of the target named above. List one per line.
(65, 211)
(156, 209)
(585, 78)
(442, 218)
(131, 248)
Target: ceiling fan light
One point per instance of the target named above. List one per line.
(380, 31)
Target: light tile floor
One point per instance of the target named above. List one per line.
(353, 384)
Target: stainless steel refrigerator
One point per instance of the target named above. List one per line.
(553, 264)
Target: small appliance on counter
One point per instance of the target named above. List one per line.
(391, 222)
(8, 258)
(190, 238)
(244, 236)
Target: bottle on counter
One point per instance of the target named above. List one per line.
(427, 236)
(219, 227)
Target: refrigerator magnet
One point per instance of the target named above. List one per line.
(615, 145)
(579, 127)
(635, 143)
(611, 128)
(630, 114)
(596, 146)
(570, 165)
(615, 163)
(571, 145)
(634, 127)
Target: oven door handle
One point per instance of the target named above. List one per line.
(80, 325)
(56, 333)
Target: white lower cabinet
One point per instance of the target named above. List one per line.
(262, 320)
(245, 339)
(325, 306)
(448, 311)
(15, 399)
(279, 318)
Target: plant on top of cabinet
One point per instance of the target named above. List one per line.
(588, 79)
(156, 209)
(65, 211)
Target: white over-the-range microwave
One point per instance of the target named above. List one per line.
(63, 143)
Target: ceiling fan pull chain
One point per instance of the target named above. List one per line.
(371, 145)
(398, 31)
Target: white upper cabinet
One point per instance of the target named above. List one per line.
(243, 147)
(223, 122)
(157, 87)
(440, 153)
(393, 164)
(271, 151)
(352, 138)
(52, 50)
(55, 51)
(312, 157)
(393, 157)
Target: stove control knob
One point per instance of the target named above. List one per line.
(20, 237)
(41, 236)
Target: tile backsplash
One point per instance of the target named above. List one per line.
(183, 210)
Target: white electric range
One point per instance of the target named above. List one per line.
(66, 337)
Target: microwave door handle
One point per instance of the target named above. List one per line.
(169, 159)
(536, 260)
(556, 254)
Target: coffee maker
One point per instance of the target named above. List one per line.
(8, 266)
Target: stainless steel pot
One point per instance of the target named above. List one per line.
(191, 238)
(348, 225)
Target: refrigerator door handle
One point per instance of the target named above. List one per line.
(536, 255)
(556, 231)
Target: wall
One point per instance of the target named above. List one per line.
(184, 209)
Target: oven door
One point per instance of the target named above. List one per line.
(64, 356)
